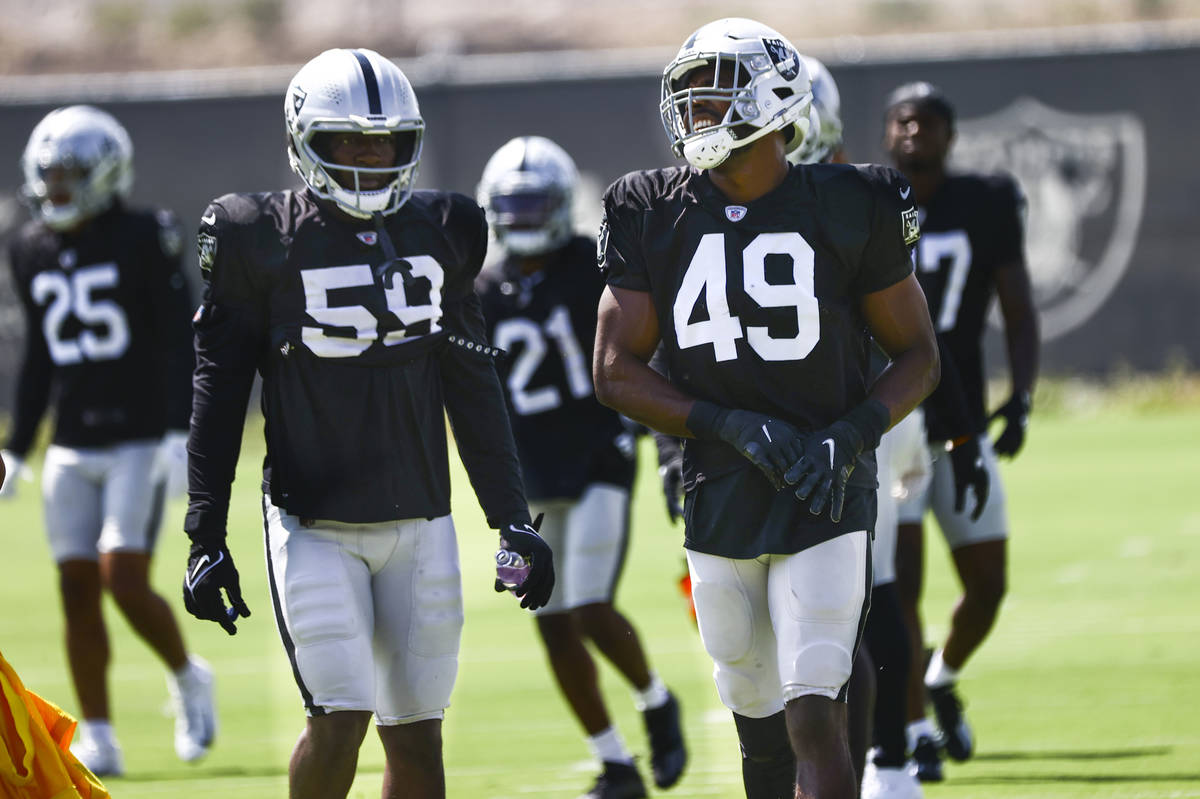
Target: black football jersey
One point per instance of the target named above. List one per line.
(758, 308)
(546, 322)
(360, 350)
(972, 227)
(107, 335)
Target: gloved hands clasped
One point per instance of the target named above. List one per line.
(819, 463)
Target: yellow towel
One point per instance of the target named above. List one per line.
(36, 761)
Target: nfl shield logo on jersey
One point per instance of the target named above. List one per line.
(735, 213)
(1084, 179)
(368, 237)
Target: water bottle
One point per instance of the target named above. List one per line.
(511, 569)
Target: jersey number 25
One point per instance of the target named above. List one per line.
(706, 273)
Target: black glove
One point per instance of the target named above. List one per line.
(210, 568)
(829, 456)
(1016, 416)
(671, 473)
(768, 443)
(523, 538)
(969, 472)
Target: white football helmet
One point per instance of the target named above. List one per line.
(755, 70)
(823, 139)
(527, 191)
(79, 153)
(354, 91)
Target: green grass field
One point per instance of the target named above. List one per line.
(1089, 687)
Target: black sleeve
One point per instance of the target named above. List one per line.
(172, 305)
(230, 328)
(33, 378)
(947, 417)
(479, 418)
(617, 253)
(887, 257)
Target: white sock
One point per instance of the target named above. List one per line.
(939, 674)
(98, 730)
(655, 695)
(608, 747)
(916, 729)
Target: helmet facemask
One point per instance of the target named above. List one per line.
(343, 184)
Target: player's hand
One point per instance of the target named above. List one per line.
(173, 462)
(824, 466)
(770, 444)
(523, 538)
(15, 469)
(966, 461)
(671, 474)
(1015, 413)
(210, 568)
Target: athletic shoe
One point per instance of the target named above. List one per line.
(617, 781)
(101, 758)
(668, 755)
(956, 733)
(927, 760)
(890, 783)
(195, 713)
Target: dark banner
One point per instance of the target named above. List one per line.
(1100, 142)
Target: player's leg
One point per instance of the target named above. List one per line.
(326, 755)
(598, 532)
(414, 760)
(819, 599)
(978, 547)
(321, 594)
(133, 507)
(860, 708)
(72, 499)
(416, 587)
(734, 619)
(561, 628)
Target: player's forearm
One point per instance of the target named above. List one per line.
(912, 376)
(1023, 353)
(630, 386)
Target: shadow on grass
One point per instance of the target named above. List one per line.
(1081, 754)
(221, 772)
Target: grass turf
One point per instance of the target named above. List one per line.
(1088, 686)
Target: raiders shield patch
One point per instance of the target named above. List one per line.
(911, 225)
(602, 243)
(783, 56)
(206, 247)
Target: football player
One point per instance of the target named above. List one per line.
(762, 279)
(106, 309)
(971, 251)
(354, 300)
(577, 456)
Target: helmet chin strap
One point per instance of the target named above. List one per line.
(710, 149)
(390, 259)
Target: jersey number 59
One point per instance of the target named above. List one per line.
(706, 273)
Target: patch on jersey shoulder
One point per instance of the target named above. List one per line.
(735, 213)
(602, 241)
(911, 225)
(206, 248)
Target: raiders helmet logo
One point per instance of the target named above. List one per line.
(784, 57)
(298, 98)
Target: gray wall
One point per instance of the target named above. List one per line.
(1105, 154)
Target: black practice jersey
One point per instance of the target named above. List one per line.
(547, 323)
(758, 308)
(971, 228)
(359, 354)
(106, 311)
